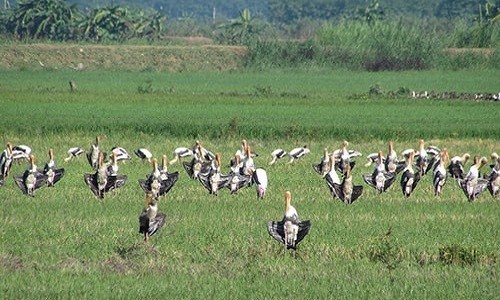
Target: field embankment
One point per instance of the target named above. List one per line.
(122, 57)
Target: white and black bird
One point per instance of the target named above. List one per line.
(456, 166)
(6, 159)
(214, 180)
(156, 183)
(150, 220)
(290, 231)
(472, 185)
(21, 152)
(238, 181)
(347, 191)
(332, 177)
(322, 168)
(344, 157)
(298, 153)
(380, 179)
(494, 177)
(32, 179)
(421, 158)
(93, 154)
(440, 172)
(73, 152)
(180, 153)
(51, 171)
(409, 178)
(259, 178)
(120, 153)
(144, 154)
(101, 181)
(277, 154)
(392, 163)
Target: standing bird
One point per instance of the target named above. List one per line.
(297, 153)
(144, 154)
(93, 154)
(259, 178)
(322, 168)
(181, 152)
(494, 177)
(51, 171)
(380, 179)
(31, 180)
(156, 183)
(422, 160)
(277, 154)
(332, 177)
(101, 181)
(150, 220)
(74, 152)
(440, 173)
(168, 179)
(343, 157)
(290, 231)
(409, 178)
(472, 184)
(456, 166)
(392, 164)
(214, 181)
(6, 159)
(347, 191)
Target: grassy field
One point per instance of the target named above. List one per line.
(64, 243)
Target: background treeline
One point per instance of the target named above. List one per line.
(369, 35)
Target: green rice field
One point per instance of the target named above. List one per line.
(66, 244)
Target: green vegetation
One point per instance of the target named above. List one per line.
(64, 243)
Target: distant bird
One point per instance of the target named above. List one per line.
(196, 167)
(51, 171)
(297, 153)
(101, 181)
(440, 173)
(456, 166)
(150, 220)
(121, 153)
(434, 154)
(248, 163)
(322, 168)
(93, 154)
(277, 154)
(409, 178)
(201, 153)
(74, 152)
(6, 159)
(259, 178)
(181, 152)
(392, 164)
(380, 179)
(347, 191)
(238, 181)
(290, 231)
(144, 154)
(472, 185)
(494, 177)
(236, 164)
(168, 179)
(31, 180)
(112, 164)
(214, 181)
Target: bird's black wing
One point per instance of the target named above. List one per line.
(357, 190)
(19, 180)
(304, 228)
(368, 179)
(390, 178)
(91, 181)
(276, 229)
(157, 223)
(168, 183)
(188, 166)
(58, 174)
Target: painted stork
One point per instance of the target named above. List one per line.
(332, 177)
(344, 157)
(277, 154)
(154, 183)
(290, 231)
(21, 152)
(494, 177)
(150, 220)
(322, 168)
(121, 153)
(259, 178)
(422, 161)
(440, 173)
(181, 152)
(380, 179)
(93, 154)
(472, 184)
(51, 171)
(297, 153)
(392, 163)
(456, 166)
(6, 159)
(215, 181)
(101, 181)
(347, 191)
(74, 152)
(144, 154)
(31, 180)
(409, 178)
